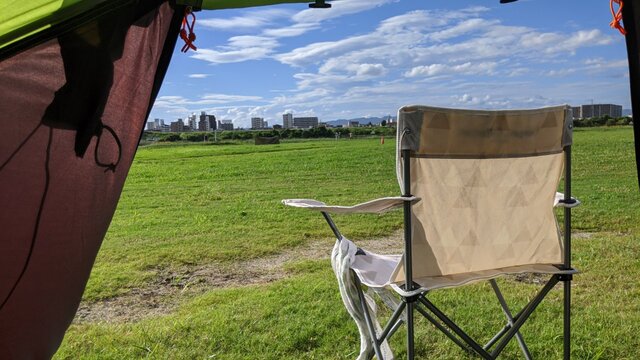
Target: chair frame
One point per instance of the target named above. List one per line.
(420, 303)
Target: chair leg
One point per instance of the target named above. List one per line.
(443, 329)
(523, 315)
(367, 318)
(451, 325)
(567, 319)
(393, 324)
(507, 313)
(410, 334)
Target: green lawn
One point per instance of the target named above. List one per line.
(189, 206)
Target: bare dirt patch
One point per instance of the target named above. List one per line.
(170, 287)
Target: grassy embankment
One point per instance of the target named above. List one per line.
(193, 206)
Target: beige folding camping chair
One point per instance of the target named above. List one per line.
(478, 192)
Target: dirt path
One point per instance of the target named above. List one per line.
(170, 288)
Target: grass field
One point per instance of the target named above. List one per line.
(202, 262)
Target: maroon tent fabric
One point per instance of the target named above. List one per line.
(72, 110)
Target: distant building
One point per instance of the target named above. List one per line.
(277, 126)
(305, 122)
(225, 124)
(257, 123)
(203, 123)
(391, 121)
(599, 110)
(577, 112)
(193, 122)
(213, 124)
(155, 125)
(287, 120)
(353, 123)
(177, 126)
(207, 122)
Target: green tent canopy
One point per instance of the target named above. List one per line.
(78, 79)
(39, 18)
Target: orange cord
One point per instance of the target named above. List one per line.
(191, 37)
(617, 16)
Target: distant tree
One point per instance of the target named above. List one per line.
(383, 123)
(624, 120)
(172, 137)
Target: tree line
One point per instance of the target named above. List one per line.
(331, 133)
(602, 121)
(319, 132)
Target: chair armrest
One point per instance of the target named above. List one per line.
(559, 201)
(374, 206)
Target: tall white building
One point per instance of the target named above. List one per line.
(193, 122)
(287, 120)
(203, 124)
(257, 123)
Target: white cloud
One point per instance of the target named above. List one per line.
(225, 98)
(322, 50)
(231, 56)
(248, 21)
(198, 76)
(369, 69)
(463, 28)
(593, 66)
(243, 48)
(354, 71)
(339, 8)
(419, 20)
(247, 41)
(464, 58)
(468, 68)
(600, 63)
(238, 49)
(291, 31)
(171, 101)
(560, 72)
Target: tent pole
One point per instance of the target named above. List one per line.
(408, 264)
(631, 20)
(567, 254)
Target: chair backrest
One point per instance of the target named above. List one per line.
(487, 180)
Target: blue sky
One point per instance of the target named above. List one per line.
(369, 57)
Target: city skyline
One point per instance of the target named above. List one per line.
(597, 110)
(367, 58)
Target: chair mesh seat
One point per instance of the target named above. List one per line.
(375, 270)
